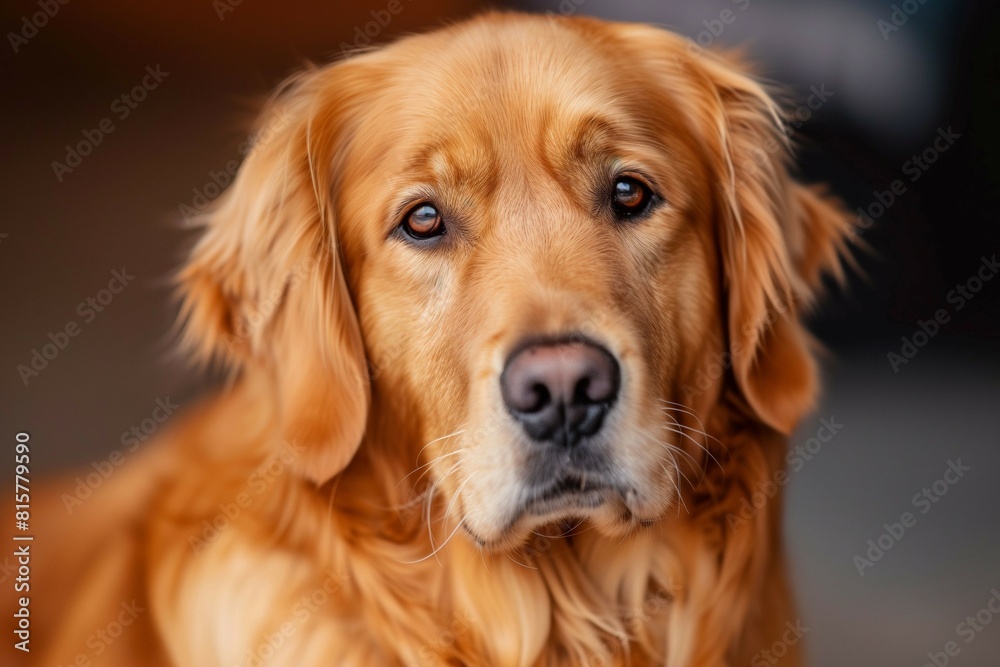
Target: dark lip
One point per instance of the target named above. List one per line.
(567, 484)
(563, 498)
(568, 491)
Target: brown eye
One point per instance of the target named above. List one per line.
(424, 222)
(631, 197)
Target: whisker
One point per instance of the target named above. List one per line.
(678, 476)
(443, 437)
(458, 525)
(692, 459)
(683, 432)
(429, 502)
(708, 436)
(438, 458)
(435, 552)
(680, 407)
(667, 473)
(667, 427)
(482, 557)
(572, 531)
(419, 498)
(509, 554)
(424, 473)
(409, 504)
(624, 537)
(447, 511)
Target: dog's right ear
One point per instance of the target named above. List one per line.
(265, 290)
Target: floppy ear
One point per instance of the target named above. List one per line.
(777, 238)
(264, 288)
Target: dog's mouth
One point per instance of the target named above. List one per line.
(565, 496)
(568, 492)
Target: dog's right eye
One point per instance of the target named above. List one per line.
(631, 198)
(423, 222)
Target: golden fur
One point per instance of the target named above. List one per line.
(312, 513)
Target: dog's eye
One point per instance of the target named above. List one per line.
(631, 197)
(424, 222)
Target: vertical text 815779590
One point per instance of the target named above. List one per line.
(22, 541)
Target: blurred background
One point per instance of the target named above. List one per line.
(902, 121)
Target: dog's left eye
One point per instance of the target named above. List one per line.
(631, 197)
(423, 222)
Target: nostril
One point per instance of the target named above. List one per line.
(540, 398)
(600, 384)
(524, 391)
(581, 392)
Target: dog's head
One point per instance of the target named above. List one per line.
(541, 249)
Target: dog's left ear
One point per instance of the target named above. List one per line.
(774, 268)
(777, 237)
(265, 288)
(778, 240)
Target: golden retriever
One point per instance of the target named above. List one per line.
(513, 312)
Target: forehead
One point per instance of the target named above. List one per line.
(468, 102)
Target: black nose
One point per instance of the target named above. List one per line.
(560, 392)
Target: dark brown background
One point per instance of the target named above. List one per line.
(120, 208)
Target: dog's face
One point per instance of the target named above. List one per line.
(543, 230)
(532, 256)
